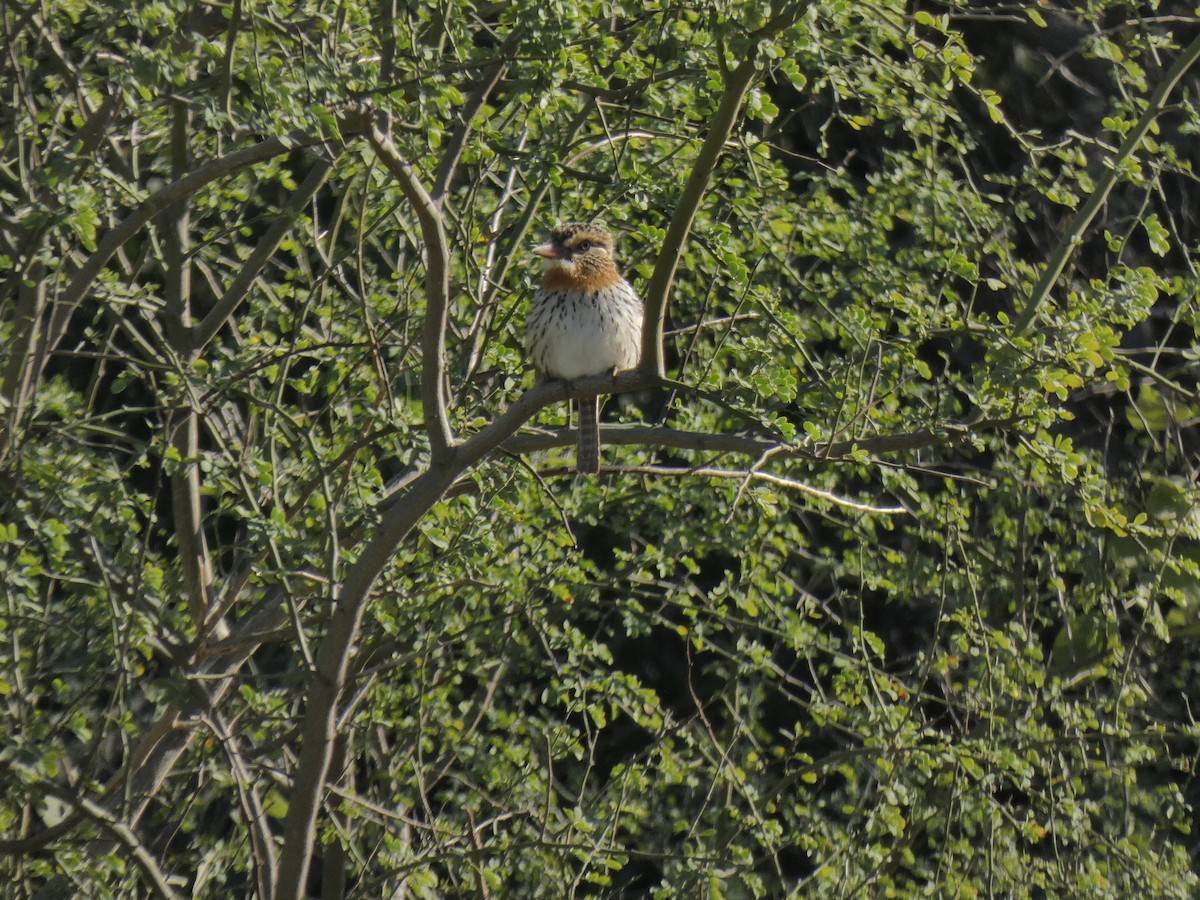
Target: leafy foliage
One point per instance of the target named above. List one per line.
(926, 630)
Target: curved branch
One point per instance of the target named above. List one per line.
(437, 293)
(737, 84)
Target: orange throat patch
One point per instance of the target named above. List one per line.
(559, 279)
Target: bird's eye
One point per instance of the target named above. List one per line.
(585, 246)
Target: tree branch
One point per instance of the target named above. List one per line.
(1074, 233)
(183, 425)
(120, 832)
(437, 294)
(163, 199)
(152, 762)
(659, 288)
(27, 349)
(657, 436)
(491, 75)
(333, 658)
(257, 822)
(240, 286)
(27, 342)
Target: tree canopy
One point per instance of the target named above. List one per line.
(888, 586)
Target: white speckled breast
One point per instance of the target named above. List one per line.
(573, 333)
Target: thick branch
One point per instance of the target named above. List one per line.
(331, 672)
(1074, 234)
(437, 293)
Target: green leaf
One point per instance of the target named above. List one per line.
(1159, 237)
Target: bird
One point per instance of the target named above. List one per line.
(585, 320)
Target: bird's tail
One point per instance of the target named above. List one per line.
(587, 454)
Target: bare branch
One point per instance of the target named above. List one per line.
(755, 475)
(437, 293)
(706, 442)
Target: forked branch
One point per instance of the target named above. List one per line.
(263, 253)
(334, 657)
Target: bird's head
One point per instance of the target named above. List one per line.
(579, 255)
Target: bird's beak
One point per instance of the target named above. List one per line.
(547, 250)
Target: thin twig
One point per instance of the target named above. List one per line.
(607, 142)
(741, 491)
(549, 494)
(777, 480)
(706, 442)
